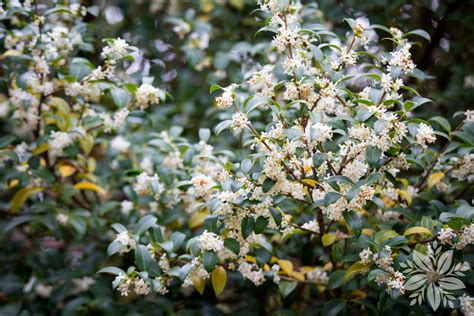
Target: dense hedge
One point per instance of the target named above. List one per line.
(211, 171)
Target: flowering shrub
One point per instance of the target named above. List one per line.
(337, 199)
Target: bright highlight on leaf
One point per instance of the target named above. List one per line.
(89, 186)
(219, 280)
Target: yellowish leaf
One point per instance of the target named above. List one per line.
(403, 181)
(66, 170)
(13, 183)
(297, 275)
(306, 269)
(197, 218)
(404, 194)
(198, 283)
(367, 231)
(41, 149)
(250, 259)
(434, 178)
(328, 239)
(219, 280)
(354, 269)
(91, 164)
(85, 185)
(384, 235)
(286, 266)
(21, 196)
(310, 182)
(357, 294)
(417, 230)
(10, 53)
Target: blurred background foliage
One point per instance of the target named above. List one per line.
(446, 60)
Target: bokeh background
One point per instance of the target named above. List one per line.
(217, 48)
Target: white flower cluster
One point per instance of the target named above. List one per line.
(147, 94)
(127, 241)
(125, 284)
(251, 272)
(227, 97)
(146, 184)
(210, 242)
(116, 49)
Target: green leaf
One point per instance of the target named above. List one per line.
(219, 280)
(214, 87)
(204, 134)
(336, 279)
(144, 223)
(79, 70)
(444, 123)
(114, 247)
(222, 126)
(331, 197)
(111, 270)
(121, 97)
(356, 268)
(6, 140)
(177, 238)
(333, 307)
(354, 222)
(142, 257)
(328, 239)
(247, 226)
(209, 259)
(372, 155)
(233, 245)
(286, 287)
(210, 223)
(246, 165)
(260, 224)
(420, 33)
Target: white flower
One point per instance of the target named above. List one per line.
(402, 58)
(117, 49)
(355, 169)
(210, 242)
(43, 290)
(202, 184)
(120, 144)
(227, 97)
(146, 184)
(239, 121)
(252, 272)
(60, 140)
(469, 116)
(465, 236)
(147, 94)
(126, 206)
(365, 256)
(425, 135)
(164, 263)
(141, 287)
(82, 284)
(445, 235)
(318, 132)
(312, 226)
(467, 304)
(318, 276)
(63, 219)
(125, 239)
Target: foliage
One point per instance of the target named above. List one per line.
(317, 183)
